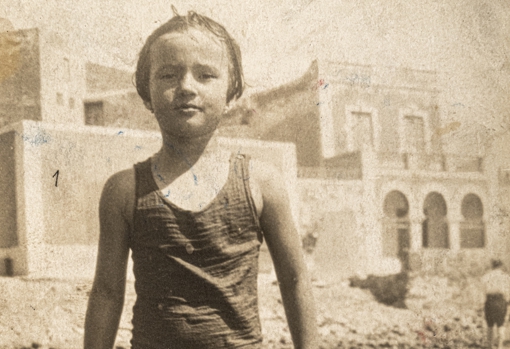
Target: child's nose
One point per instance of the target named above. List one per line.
(188, 84)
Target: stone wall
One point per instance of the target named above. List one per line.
(8, 226)
(57, 224)
(331, 211)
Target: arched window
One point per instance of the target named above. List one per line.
(435, 226)
(396, 227)
(472, 228)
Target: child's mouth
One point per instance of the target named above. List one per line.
(188, 108)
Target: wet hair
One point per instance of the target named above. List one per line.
(496, 263)
(180, 24)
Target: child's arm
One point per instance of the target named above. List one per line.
(285, 247)
(107, 296)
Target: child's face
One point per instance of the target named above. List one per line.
(188, 82)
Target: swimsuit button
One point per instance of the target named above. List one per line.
(240, 156)
(160, 306)
(189, 248)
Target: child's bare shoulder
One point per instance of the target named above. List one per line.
(267, 177)
(263, 171)
(121, 182)
(119, 191)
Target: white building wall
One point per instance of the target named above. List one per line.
(58, 225)
(332, 210)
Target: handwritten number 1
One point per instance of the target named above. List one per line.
(56, 179)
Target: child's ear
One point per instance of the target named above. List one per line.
(148, 105)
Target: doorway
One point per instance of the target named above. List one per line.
(435, 230)
(396, 231)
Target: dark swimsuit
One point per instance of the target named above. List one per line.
(196, 271)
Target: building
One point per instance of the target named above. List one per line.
(361, 147)
(374, 181)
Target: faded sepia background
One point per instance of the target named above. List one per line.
(467, 43)
(431, 77)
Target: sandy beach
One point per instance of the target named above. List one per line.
(43, 313)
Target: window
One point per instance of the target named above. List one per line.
(67, 70)
(60, 98)
(504, 176)
(435, 231)
(472, 229)
(414, 132)
(361, 128)
(94, 114)
(396, 229)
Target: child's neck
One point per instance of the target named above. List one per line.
(187, 151)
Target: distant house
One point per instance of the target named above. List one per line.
(111, 100)
(372, 180)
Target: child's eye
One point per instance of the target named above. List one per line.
(207, 76)
(168, 76)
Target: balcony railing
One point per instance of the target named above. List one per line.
(430, 162)
(329, 173)
(400, 161)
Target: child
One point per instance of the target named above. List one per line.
(496, 285)
(194, 215)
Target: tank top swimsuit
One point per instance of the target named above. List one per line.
(196, 271)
